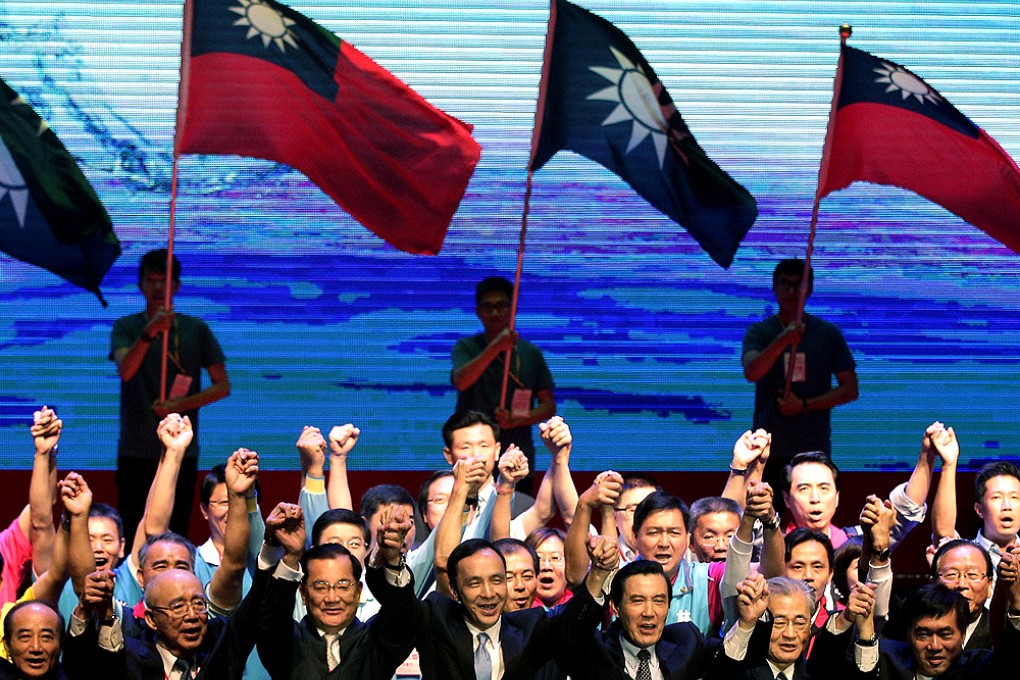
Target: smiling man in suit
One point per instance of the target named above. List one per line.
(469, 637)
(330, 642)
(639, 645)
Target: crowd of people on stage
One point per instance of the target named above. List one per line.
(639, 585)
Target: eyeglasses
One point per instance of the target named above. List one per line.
(551, 559)
(800, 624)
(629, 509)
(954, 576)
(324, 587)
(178, 610)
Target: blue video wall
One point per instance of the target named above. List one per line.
(323, 323)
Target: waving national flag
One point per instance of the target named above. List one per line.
(49, 214)
(258, 79)
(890, 127)
(599, 98)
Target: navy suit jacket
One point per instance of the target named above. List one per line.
(224, 650)
(896, 661)
(528, 638)
(683, 652)
(8, 671)
(296, 651)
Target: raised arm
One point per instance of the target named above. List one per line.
(468, 477)
(604, 555)
(74, 526)
(36, 520)
(225, 588)
(943, 508)
(513, 467)
(773, 547)
(877, 520)
(602, 494)
(919, 483)
(342, 439)
(1005, 605)
(557, 438)
(175, 434)
(746, 452)
(77, 498)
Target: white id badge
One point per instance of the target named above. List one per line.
(799, 367)
(182, 383)
(521, 404)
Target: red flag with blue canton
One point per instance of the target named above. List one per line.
(261, 80)
(890, 127)
(601, 99)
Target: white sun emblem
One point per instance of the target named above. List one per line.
(11, 179)
(637, 100)
(263, 20)
(908, 85)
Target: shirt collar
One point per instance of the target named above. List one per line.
(207, 551)
(492, 631)
(168, 659)
(776, 670)
(323, 634)
(989, 545)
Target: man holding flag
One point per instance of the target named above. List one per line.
(799, 419)
(135, 348)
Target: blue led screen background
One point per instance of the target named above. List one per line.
(324, 323)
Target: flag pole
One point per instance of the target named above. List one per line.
(536, 134)
(182, 107)
(845, 31)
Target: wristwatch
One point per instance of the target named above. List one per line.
(772, 523)
(882, 555)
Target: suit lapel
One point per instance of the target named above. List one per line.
(614, 648)
(511, 644)
(671, 657)
(463, 643)
(350, 638)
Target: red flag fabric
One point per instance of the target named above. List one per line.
(261, 80)
(890, 127)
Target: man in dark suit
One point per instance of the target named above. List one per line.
(330, 642)
(791, 604)
(639, 645)
(470, 638)
(962, 566)
(32, 633)
(936, 618)
(184, 643)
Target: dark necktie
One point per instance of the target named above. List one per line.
(184, 666)
(782, 676)
(644, 669)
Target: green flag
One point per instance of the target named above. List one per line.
(49, 214)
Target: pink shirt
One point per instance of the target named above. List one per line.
(17, 552)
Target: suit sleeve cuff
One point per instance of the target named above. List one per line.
(866, 657)
(735, 642)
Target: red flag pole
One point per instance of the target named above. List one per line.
(517, 286)
(823, 171)
(536, 134)
(182, 107)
